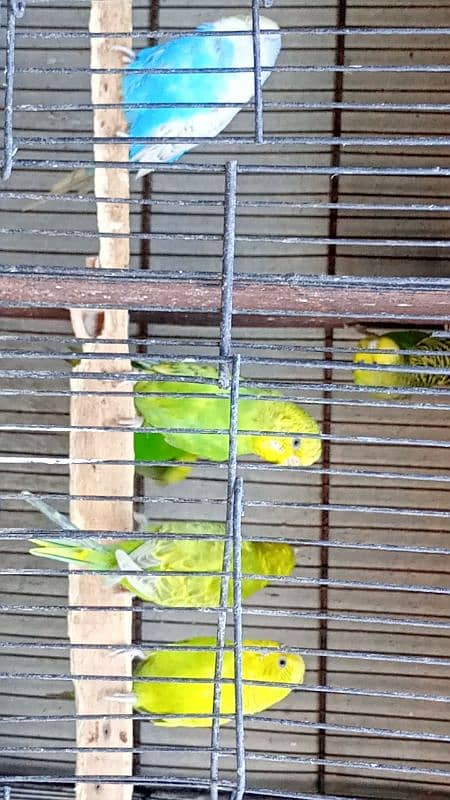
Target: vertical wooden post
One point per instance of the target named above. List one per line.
(93, 626)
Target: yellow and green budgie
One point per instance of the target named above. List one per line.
(160, 697)
(433, 353)
(154, 559)
(212, 411)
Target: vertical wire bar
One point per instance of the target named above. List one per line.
(142, 333)
(256, 36)
(238, 496)
(15, 10)
(229, 238)
(147, 182)
(225, 581)
(326, 423)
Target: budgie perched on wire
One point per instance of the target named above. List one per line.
(190, 89)
(212, 411)
(162, 695)
(301, 449)
(433, 353)
(154, 559)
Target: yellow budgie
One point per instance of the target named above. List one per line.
(161, 697)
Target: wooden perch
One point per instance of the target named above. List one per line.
(92, 626)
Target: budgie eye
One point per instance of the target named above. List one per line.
(296, 443)
(282, 662)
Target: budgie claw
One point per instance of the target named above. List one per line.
(130, 422)
(128, 53)
(134, 652)
(123, 697)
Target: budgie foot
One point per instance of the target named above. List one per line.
(133, 652)
(130, 422)
(128, 54)
(122, 697)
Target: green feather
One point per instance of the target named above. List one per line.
(211, 411)
(154, 560)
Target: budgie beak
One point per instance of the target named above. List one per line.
(292, 461)
(308, 454)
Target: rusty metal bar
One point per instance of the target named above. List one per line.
(276, 303)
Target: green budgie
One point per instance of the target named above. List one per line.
(212, 412)
(434, 353)
(154, 559)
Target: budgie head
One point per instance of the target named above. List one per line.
(270, 43)
(297, 450)
(276, 667)
(369, 353)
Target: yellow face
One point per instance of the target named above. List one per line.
(276, 667)
(284, 667)
(369, 354)
(297, 451)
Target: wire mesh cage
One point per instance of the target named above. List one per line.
(256, 263)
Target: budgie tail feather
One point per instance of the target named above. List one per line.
(79, 181)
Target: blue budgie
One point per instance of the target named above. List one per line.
(182, 53)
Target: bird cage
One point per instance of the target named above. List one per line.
(317, 217)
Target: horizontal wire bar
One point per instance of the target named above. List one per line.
(367, 402)
(268, 105)
(362, 692)
(155, 377)
(280, 68)
(37, 533)
(250, 755)
(368, 509)
(163, 781)
(332, 437)
(204, 610)
(224, 752)
(24, 533)
(438, 661)
(51, 429)
(334, 583)
(201, 203)
(277, 721)
(334, 471)
(95, 355)
(353, 241)
(310, 30)
(243, 169)
(341, 388)
(306, 139)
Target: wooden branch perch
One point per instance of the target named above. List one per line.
(97, 626)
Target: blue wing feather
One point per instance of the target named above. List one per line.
(194, 52)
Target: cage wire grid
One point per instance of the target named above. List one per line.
(377, 663)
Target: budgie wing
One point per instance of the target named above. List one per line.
(184, 369)
(207, 372)
(153, 447)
